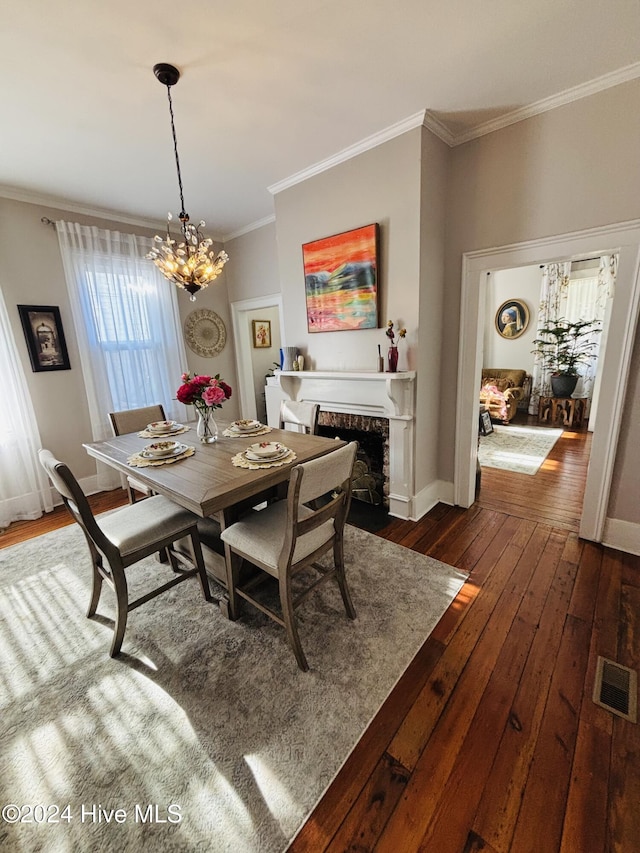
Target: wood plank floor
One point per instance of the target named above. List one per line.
(490, 740)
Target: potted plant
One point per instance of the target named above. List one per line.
(563, 347)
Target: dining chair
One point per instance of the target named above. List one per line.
(299, 414)
(135, 420)
(289, 536)
(124, 537)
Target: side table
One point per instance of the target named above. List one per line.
(568, 411)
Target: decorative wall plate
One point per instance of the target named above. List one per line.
(205, 333)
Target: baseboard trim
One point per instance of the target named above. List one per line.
(440, 491)
(622, 535)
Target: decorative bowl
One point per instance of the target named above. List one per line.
(161, 426)
(246, 425)
(161, 448)
(265, 449)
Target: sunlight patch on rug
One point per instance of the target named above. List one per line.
(208, 716)
(517, 448)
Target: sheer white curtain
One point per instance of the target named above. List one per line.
(555, 280)
(24, 486)
(127, 325)
(573, 299)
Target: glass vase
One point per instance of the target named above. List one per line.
(207, 429)
(393, 359)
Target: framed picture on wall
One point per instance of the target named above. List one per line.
(341, 280)
(44, 335)
(512, 318)
(261, 333)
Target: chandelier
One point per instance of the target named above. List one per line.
(190, 264)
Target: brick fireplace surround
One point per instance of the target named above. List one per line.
(366, 398)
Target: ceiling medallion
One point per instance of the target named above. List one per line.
(205, 332)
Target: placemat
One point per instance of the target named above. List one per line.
(138, 461)
(241, 461)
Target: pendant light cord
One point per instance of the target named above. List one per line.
(183, 216)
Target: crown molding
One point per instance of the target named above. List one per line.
(253, 226)
(584, 90)
(438, 128)
(29, 197)
(391, 132)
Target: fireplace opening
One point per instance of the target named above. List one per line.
(368, 483)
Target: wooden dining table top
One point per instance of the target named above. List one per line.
(207, 482)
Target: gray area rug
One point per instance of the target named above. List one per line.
(517, 448)
(204, 734)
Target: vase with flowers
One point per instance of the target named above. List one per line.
(393, 348)
(206, 393)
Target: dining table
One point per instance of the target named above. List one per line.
(208, 483)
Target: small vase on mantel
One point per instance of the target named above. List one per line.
(207, 429)
(393, 359)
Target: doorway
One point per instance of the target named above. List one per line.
(254, 362)
(623, 239)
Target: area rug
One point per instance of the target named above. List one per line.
(517, 448)
(204, 735)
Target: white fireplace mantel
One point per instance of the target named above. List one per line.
(378, 395)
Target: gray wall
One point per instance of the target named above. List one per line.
(35, 276)
(569, 169)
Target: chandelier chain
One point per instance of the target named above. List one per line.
(175, 151)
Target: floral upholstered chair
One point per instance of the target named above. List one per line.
(501, 391)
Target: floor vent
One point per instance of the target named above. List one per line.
(616, 689)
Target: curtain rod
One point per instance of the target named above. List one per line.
(46, 221)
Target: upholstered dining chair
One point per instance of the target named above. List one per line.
(299, 414)
(289, 536)
(134, 420)
(124, 537)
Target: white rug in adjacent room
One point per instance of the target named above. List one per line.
(517, 448)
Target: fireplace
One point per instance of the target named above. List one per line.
(371, 474)
(381, 404)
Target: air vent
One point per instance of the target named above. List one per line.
(616, 689)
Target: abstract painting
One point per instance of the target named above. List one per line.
(341, 280)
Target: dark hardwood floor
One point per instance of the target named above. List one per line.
(490, 740)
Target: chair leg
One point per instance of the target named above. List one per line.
(96, 562)
(338, 558)
(199, 561)
(286, 603)
(122, 611)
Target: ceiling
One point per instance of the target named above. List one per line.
(271, 88)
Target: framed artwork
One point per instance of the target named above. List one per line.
(512, 318)
(486, 426)
(341, 280)
(261, 333)
(44, 334)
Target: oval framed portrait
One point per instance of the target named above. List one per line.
(512, 318)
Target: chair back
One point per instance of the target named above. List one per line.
(300, 414)
(327, 478)
(134, 420)
(73, 497)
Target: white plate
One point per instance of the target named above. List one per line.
(265, 449)
(246, 426)
(161, 426)
(175, 450)
(174, 429)
(236, 431)
(252, 457)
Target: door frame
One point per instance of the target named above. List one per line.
(620, 238)
(243, 344)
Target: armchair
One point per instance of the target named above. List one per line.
(501, 391)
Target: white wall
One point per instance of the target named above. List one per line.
(524, 285)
